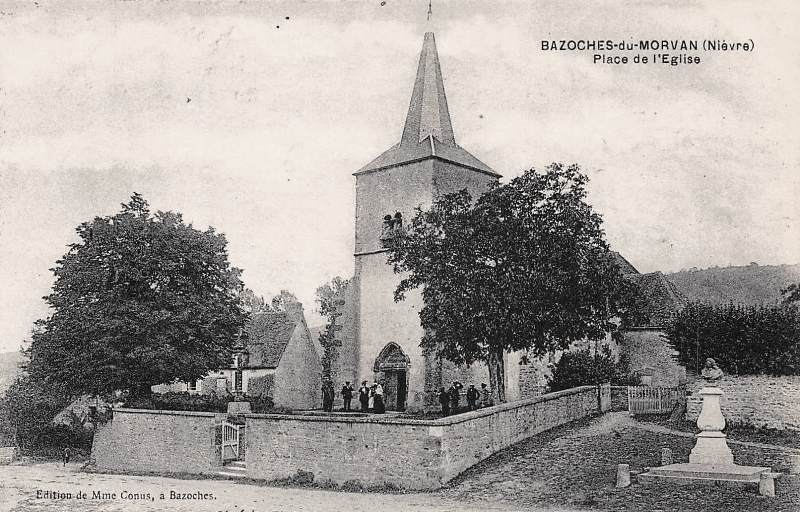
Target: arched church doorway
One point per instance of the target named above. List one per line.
(391, 367)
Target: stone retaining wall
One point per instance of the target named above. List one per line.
(758, 400)
(157, 441)
(408, 453)
(370, 450)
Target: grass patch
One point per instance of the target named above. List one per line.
(736, 431)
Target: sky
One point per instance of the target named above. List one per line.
(252, 116)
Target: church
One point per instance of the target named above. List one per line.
(380, 337)
(425, 164)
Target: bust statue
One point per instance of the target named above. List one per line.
(398, 221)
(386, 231)
(711, 371)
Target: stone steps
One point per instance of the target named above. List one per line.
(234, 469)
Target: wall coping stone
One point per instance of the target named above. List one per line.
(166, 412)
(439, 422)
(449, 420)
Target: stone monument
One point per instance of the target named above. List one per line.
(711, 460)
(711, 447)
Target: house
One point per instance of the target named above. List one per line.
(645, 345)
(276, 359)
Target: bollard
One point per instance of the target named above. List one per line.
(766, 484)
(623, 475)
(666, 456)
(794, 464)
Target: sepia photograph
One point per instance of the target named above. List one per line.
(413, 255)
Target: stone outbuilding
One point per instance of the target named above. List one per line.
(276, 358)
(645, 344)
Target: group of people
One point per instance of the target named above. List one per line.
(370, 397)
(450, 398)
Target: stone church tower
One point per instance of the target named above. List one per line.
(425, 164)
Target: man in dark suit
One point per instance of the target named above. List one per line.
(444, 400)
(455, 396)
(347, 395)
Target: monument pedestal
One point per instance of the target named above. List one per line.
(711, 461)
(711, 447)
(711, 474)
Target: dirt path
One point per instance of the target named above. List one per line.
(19, 486)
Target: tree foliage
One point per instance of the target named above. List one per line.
(27, 411)
(744, 340)
(141, 299)
(283, 301)
(582, 368)
(525, 267)
(253, 303)
(791, 294)
(331, 301)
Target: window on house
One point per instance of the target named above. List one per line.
(192, 386)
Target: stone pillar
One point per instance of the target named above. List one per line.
(666, 456)
(623, 475)
(433, 380)
(766, 484)
(711, 447)
(215, 450)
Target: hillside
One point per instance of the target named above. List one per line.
(8, 369)
(752, 284)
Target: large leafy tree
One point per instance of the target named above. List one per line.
(140, 300)
(524, 267)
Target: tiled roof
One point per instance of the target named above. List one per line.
(268, 335)
(624, 265)
(428, 130)
(663, 299)
(405, 152)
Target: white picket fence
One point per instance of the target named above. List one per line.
(649, 400)
(230, 441)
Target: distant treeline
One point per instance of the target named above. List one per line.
(749, 285)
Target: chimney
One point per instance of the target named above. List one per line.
(294, 311)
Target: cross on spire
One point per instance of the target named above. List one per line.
(430, 10)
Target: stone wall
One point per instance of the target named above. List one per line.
(619, 398)
(379, 319)
(758, 400)
(414, 454)
(532, 376)
(156, 441)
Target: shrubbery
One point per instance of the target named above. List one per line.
(202, 403)
(743, 340)
(582, 368)
(26, 420)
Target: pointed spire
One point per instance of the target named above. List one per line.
(428, 114)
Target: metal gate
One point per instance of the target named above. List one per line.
(648, 400)
(230, 441)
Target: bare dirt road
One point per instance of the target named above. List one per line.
(52, 488)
